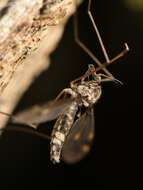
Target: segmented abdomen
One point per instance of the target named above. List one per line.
(61, 130)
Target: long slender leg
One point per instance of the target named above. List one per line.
(64, 92)
(26, 131)
(82, 45)
(76, 80)
(82, 78)
(6, 114)
(121, 54)
(108, 61)
(97, 32)
(13, 119)
(60, 94)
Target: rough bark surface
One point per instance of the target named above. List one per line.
(29, 31)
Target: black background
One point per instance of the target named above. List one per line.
(114, 157)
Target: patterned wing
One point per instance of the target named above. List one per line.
(80, 138)
(41, 113)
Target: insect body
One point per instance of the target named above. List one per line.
(83, 94)
(73, 131)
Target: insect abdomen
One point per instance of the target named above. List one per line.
(61, 130)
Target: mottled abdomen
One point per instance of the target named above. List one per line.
(61, 130)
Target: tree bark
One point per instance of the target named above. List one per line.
(29, 31)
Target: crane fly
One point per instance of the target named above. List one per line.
(73, 132)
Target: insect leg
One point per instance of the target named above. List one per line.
(35, 126)
(81, 79)
(97, 32)
(83, 46)
(44, 136)
(108, 61)
(6, 114)
(60, 94)
(14, 119)
(120, 55)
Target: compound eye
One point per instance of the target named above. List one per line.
(91, 66)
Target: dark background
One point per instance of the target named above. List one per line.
(114, 157)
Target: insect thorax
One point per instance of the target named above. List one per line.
(89, 92)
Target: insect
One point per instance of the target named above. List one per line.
(73, 108)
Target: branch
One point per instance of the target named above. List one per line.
(29, 31)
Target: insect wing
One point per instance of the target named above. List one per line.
(80, 138)
(41, 113)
